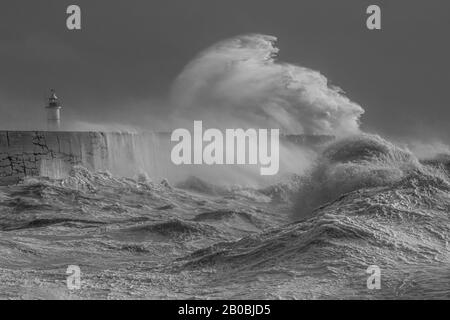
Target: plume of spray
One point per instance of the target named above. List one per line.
(355, 162)
(238, 83)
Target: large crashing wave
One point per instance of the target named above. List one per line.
(367, 202)
(401, 225)
(353, 163)
(239, 83)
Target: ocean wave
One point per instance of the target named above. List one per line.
(196, 184)
(365, 202)
(40, 223)
(239, 217)
(407, 220)
(175, 228)
(440, 161)
(351, 164)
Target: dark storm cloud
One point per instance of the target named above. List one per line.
(119, 68)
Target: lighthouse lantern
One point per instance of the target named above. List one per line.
(53, 112)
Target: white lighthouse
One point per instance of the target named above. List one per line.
(53, 112)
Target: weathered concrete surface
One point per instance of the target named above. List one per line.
(32, 153)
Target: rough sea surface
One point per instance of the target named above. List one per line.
(365, 203)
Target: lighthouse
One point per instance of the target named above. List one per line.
(53, 112)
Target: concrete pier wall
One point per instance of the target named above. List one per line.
(53, 154)
(33, 153)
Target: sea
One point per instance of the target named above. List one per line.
(363, 204)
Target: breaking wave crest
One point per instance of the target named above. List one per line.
(353, 163)
(399, 223)
(366, 201)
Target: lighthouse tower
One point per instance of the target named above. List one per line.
(53, 113)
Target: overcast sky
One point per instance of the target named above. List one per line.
(120, 66)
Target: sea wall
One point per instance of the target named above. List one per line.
(53, 154)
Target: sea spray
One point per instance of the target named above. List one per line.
(349, 164)
(238, 83)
